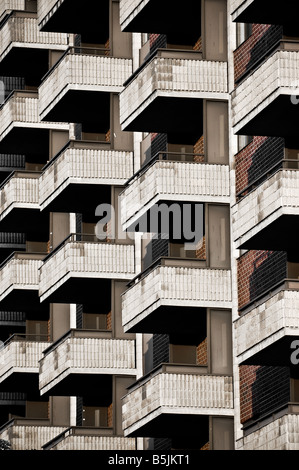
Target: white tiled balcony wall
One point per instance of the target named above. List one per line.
(21, 30)
(21, 356)
(79, 355)
(176, 286)
(173, 393)
(8, 5)
(20, 272)
(129, 9)
(278, 75)
(21, 110)
(29, 436)
(277, 196)
(173, 77)
(83, 72)
(45, 9)
(85, 166)
(20, 191)
(83, 259)
(267, 323)
(174, 181)
(86, 442)
(281, 434)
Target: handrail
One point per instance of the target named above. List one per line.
(26, 337)
(73, 50)
(160, 155)
(72, 237)
(266, 176)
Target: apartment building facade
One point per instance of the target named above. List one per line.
(148, 297)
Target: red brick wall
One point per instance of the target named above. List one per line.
(246, 265)
(243, 161)
(247, 379)
(202, 353)
(242, 54)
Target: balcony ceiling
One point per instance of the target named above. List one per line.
(80, 106)
(265, 12)
(27, 220)
(95, 385)
(77, 17)
(24, 382)
(31, 64)
(167, 17)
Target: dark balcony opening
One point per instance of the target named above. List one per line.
(93, 412)
(11, 404)
(72, 17)
(10, 242)
(91, 317)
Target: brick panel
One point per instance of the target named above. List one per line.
(257, 160)
(262, 390)
(255, 48)
(259, 271)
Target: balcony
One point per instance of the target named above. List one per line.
(81, 438)
(161, 293)
(141, 16)
(262, 218)
(19, 205)
(80, 173)
(80, 268)
(68, 16)
(275, 432)
(19, 281)
(173, 399)
(171, 87)
(21, 131)
(83, 358)
(24, 49)
(265, 332)
(10, 242)
(19, 362)
(253, 11)
(8, 5)
(172, 177)
(265, 103)
(79, 86)
(29, 434)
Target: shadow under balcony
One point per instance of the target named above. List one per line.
(81, 268)
(254, 11)
(19, 282)
(19, 362)
(24, 49)
(174, 399)
(85, 360)
(173, 178)
(168, 90)
(142, 16)
(70, 16)
(266, 217)
(156, 298)
(79, 85)
(21, 131)
(29, 433)
(86, 438)
(19, 206)
(81, 174)
(266, 102)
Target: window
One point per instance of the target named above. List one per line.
(244, 31)
(243, 141)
